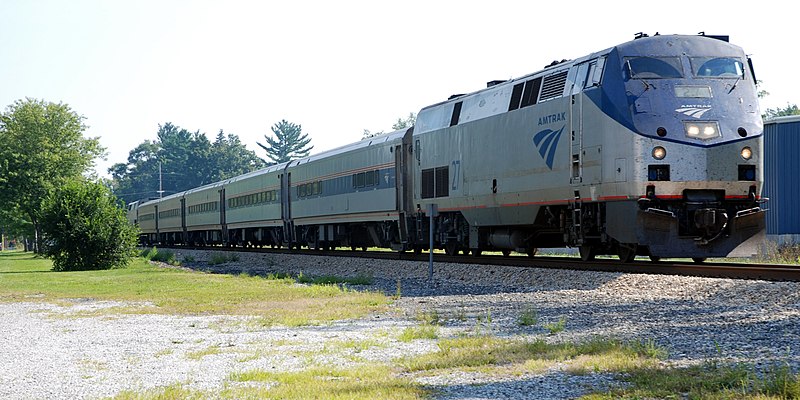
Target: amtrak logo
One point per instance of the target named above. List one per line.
(547, 142)
(693, 111)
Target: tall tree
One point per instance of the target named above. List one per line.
(790, 109)
(401, 123)
(179, 160)
(231, 158)
(407, 122)
(42, 146)
(289, 143)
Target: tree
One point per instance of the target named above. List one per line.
(289, 143)
(179, 160)
(231, 158)
(41, 147)
(405, 123)
(790, 109)
(85, 228)
(402, 123)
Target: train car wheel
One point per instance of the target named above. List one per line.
(417, 250)
(531, 251)
(699, 260)
(451, 248)
(506, 253)
(626, 252)
(476, 252)
(587, 252)
(655, 258)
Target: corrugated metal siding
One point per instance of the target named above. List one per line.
(782, 175)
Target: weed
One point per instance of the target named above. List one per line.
(556, 327)
(399, 290)
(424, 331)
(164, 256)
(222, 258)
(528, 317)
(429, 317)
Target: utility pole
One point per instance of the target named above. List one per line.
(160, 189)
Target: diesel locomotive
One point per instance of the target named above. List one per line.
(652, 147)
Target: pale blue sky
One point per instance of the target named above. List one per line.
(336, 68)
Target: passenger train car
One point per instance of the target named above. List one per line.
(652, 147)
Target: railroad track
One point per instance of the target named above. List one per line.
(712, 269)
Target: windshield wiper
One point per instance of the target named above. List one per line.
(738, 78)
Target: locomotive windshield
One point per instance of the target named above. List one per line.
(654, 67)
(717, 67)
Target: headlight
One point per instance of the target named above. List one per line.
(659, 152)
(747, 153)
(701, 130)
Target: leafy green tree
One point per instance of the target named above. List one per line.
(790, 109)
(289, 143)
(231, 158)
(179, 160)
(408, 122)
(41, 147)
(401, 123)
(85, 228)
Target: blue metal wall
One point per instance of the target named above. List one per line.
(782, 175)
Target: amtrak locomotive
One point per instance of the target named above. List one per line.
(652, 147)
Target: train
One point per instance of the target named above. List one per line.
(651, 148)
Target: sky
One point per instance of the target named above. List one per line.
(335, 68)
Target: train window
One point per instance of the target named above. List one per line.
(531, 92)
(359, 180)
(456, 114)
(717, 67)
(516, 95)
(654, 67)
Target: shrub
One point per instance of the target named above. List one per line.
(84, 228)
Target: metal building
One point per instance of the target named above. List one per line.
(781, 182)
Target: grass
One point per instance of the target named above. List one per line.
(368, 381)
(528, 317)
(424, 331)
(174, 291)
(706, 381)
(493, 354)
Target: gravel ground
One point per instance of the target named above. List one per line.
(56, 351)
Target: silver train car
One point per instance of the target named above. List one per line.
(652, 147)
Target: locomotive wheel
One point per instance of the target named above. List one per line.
(626, 252)
(506, 253)
(451, 248)
(699, 260)
(476, 252)
(417, 250)
(587, 252)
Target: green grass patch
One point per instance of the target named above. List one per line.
(706, 381)
(222, 258)
(362, 382)
(172, 392)
(510, 355)
(424, 331)
(335, 280)
(175, 291)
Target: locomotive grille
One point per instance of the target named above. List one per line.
(553, 86)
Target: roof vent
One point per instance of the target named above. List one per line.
(724, 38)
(494, 83)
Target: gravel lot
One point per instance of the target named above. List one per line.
(46, 351)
